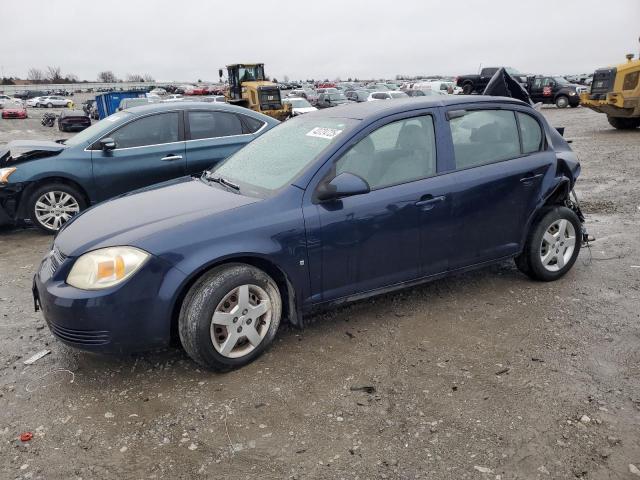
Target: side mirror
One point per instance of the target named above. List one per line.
(344, 185)
(107, 144)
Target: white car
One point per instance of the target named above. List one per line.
(299, 105)
(388, 95)
(54, 101)
(7, 100)
(33, 102)
(158, 91)
(436, 85)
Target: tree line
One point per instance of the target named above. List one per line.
(53, 74)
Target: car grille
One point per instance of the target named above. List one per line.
(80, 337)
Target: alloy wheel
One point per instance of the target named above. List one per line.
(241, 321)
(53, 209)
(558, 244)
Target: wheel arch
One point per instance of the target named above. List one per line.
(22, 214)
(290, 308)
(555, 196)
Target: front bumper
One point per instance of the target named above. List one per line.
(574, 100)
(131, 317)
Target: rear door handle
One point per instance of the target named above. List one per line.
(170, 158)
(427, 202)
(530, 178)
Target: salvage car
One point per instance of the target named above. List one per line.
(390, 95)
(45, 183)
(73, 121)
(54, 101)
(331, 99)
(299, 105)
(6, 100)
(477, 83)
(14, 111)
(357, 95)
(329, 207)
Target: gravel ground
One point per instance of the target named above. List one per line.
(486, 375)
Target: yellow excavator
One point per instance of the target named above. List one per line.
(615, 91)
(249, 88)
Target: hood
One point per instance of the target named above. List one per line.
(22, 150)
(128, 219)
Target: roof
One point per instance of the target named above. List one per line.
(191, 105)
(371, 110)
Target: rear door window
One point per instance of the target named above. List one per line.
(484, 136)
(151, 130)
(250, 124)
(213, 124)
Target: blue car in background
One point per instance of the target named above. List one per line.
(47, 182)
(331, 206)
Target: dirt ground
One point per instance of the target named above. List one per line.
(486, 375)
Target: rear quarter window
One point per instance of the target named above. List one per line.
(530, 132)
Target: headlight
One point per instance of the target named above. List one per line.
(4, 174)
(105, 267)
(572, 93)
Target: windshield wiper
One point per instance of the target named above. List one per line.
(222, 181)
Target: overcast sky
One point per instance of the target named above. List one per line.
(189, 39)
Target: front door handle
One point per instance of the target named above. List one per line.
(427, 202)
(170, 158)
(529, 179)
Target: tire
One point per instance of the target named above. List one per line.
(205, 341)
(562, 101)
(71, 200)
(547, 253)
(49, 105)
(622, 123)
(467, 88)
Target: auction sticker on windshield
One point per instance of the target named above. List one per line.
(324, 132)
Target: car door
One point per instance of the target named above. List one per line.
(497, 179)
(149, 149)
(213, 135)
(377, 239)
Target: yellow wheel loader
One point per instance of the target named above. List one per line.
(248, 87)
(615, 91)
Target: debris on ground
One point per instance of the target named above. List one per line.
(36, 356)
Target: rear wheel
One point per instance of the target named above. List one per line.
(49, 105)
(52, 205)
(467, 88)
(230, 316)
(562, 101)
(552, 246)
(622, 123)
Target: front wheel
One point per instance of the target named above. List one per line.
(52, 205)
(467, 88)
(552, 246)
(562, 101)
(230, 316)
(49, 105)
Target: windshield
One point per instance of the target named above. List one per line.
(96, 130)
(299, 103)
(274, 159)
(561, 81)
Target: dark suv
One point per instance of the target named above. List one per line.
(558, 90)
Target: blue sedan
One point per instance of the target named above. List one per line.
(47, 183)
(329, 207)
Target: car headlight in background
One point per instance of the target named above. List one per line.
(105, 267)
(5, 172)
